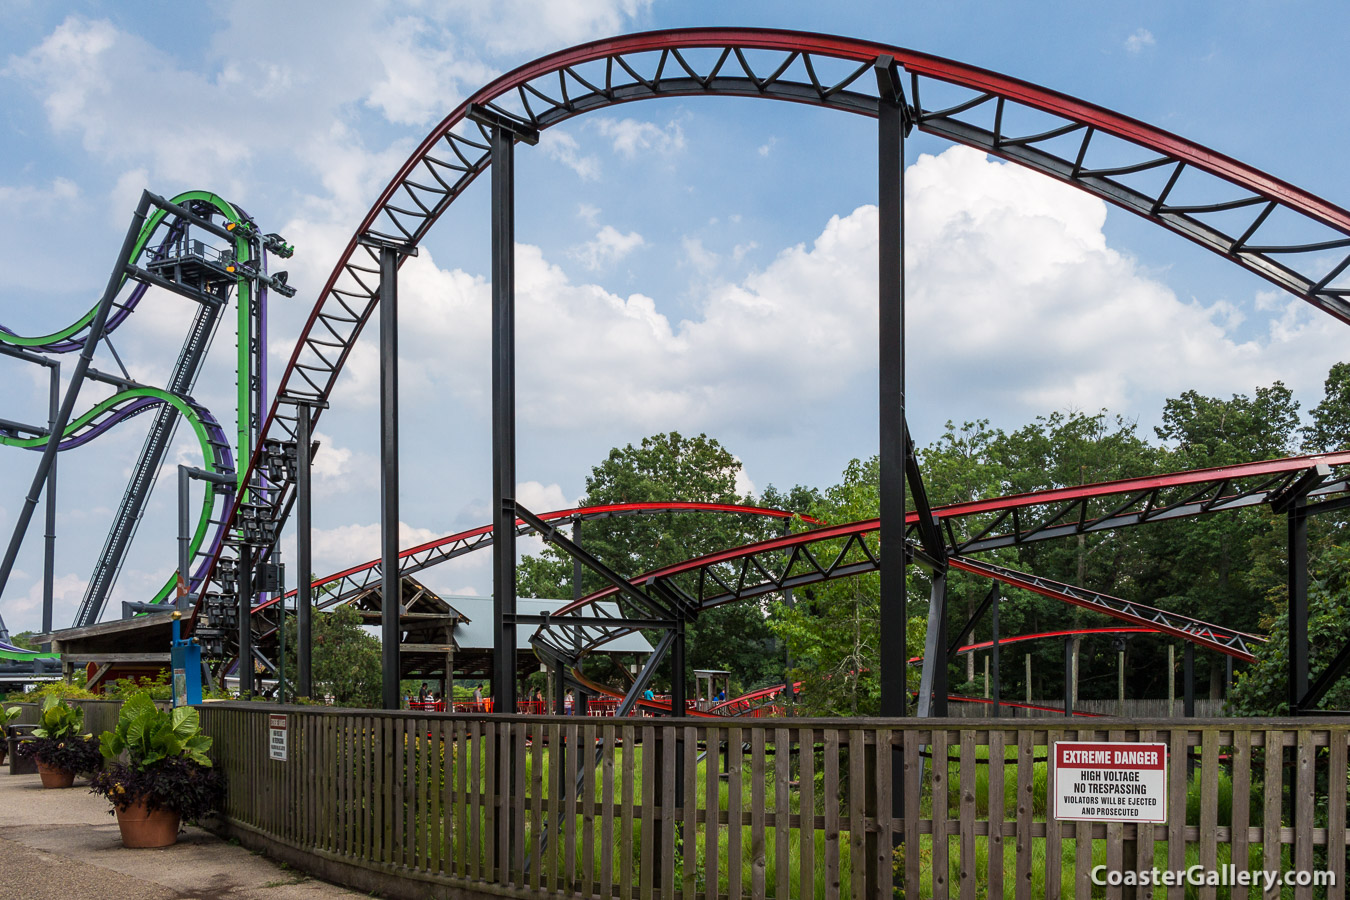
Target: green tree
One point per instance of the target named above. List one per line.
(1330, 426)
(832, 629)
(1204, 566)
(1261, 689)
(1210, 566)
(346, 660)
(1206, 431)
(666, 468)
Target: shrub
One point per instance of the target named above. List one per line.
(157, 687)
(66, 690)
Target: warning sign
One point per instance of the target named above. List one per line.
(276, 744)
(1108, 782)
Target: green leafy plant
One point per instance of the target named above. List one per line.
(149, 735)
(57, 742)
(58, 720)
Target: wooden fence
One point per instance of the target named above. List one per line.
(1132, 708)
(786, 808)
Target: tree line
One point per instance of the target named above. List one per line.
(1228, 568)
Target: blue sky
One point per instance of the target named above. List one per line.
(649, 237)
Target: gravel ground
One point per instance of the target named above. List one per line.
(63, 845)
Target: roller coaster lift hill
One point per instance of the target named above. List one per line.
(1297, 241)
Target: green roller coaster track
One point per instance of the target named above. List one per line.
(243, 302)
(188, 412)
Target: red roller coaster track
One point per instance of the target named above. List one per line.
(1082, 144)
(423, 556)
(838, 551)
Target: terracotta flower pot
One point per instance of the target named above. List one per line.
(55, 778)
(142, 828)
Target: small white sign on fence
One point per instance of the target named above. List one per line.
(1108, 782)
(276, 729)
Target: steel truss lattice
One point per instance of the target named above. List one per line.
(1282, 233)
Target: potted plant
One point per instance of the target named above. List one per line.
(158, 773)
(7, 717)
(58, 747)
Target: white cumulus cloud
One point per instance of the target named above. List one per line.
(607, 247)
(1014, 296)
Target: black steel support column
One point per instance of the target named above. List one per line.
(503, 421)
(1299, 656)
(1188, 680)
(49, 545)
(245, 621)
(995, 691)
(891, 320)
(894, 663)
(91, 341)
(391, 590)
(1068, 676)
(304, 520)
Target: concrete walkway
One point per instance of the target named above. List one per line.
(63, 845)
